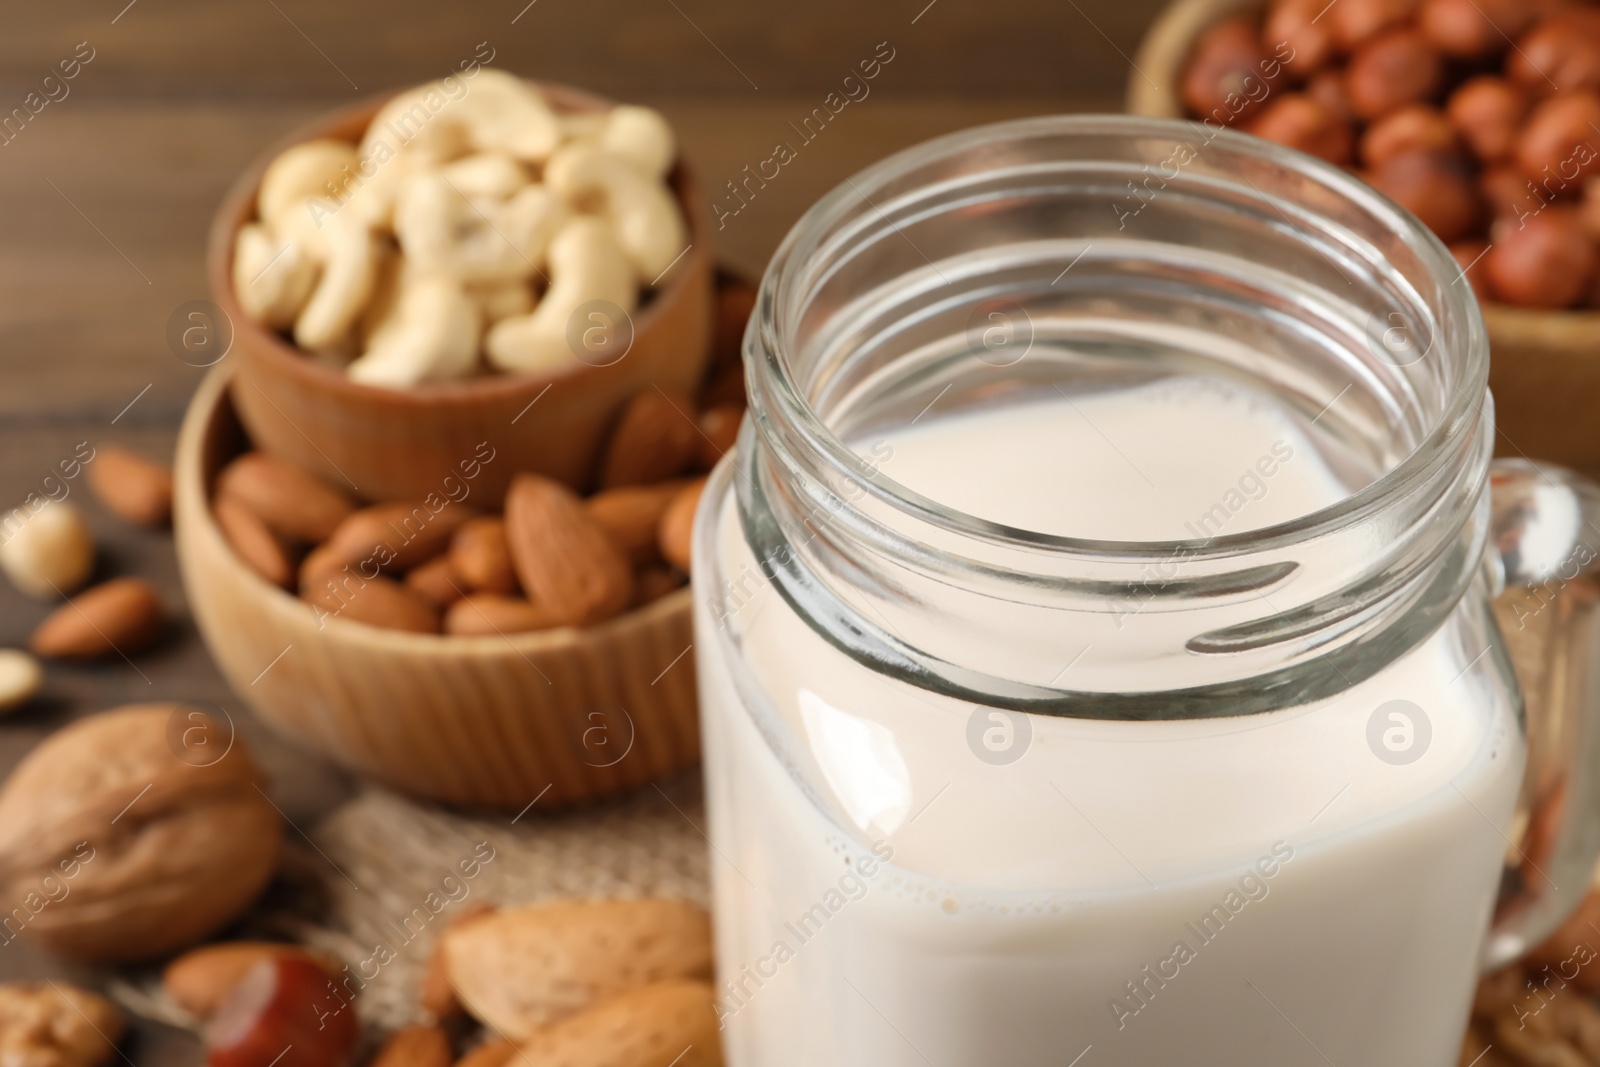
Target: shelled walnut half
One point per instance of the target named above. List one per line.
(55, 1025)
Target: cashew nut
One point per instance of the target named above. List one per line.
(308, 171)
(642, 137)
(582, 125)
(442, 231)
(641, 209)
(487, 175)
(272, 278)
(433, 334)
(424, 124)
(503, 113)
(501, 300)
(586, 265)
(349, 272)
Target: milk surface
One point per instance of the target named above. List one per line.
(1258, 890)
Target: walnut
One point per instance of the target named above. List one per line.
(132, 833)
(55, 1025)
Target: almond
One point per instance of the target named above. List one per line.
(132, 487)
(120, 616)
(719, 430)
(479, 553)
(375, 601)
(253, 542)
(496, 1052)
(677, 525)
(632, 515)
(296, 504)
(653, 583)
(437, 581)
(566, 561)
(671, 1024)
(654, 439)
(416, 1046)
(523, 968)
(485, 614)
(386, 537)
(202, 978)
(438, 995)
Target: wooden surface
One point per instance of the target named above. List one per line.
(107, 195)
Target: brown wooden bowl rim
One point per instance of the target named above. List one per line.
(238, 207)
(206, 407)
(1178, 19)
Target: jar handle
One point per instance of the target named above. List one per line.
(1545, 532)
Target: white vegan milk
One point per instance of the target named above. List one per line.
(1261, 890)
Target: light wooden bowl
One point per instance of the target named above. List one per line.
(400, 444)
(1544, 367)
(561, 715)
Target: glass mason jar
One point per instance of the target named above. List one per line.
(998, 776)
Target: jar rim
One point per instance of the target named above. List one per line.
(1420, 466)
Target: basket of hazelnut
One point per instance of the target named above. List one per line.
(1481, 117)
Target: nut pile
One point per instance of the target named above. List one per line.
(618, 982)
(552, 558)
(462, 234)
(1481, 117)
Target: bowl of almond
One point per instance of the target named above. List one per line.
(482, 258)
(472, 645)
(1481, 117)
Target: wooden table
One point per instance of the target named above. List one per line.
(108, 194)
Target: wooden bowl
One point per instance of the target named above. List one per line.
(561, 715)
(400, 444)
(1544, 367)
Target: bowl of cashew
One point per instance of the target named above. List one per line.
(479, 260)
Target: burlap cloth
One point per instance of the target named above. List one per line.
(361, 879)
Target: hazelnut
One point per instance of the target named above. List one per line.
(1560, 54)
(46, 553)
(54, 1024)
(1300, 122)
(285, 1012)
(1588, 211)
(1354, 22)
(1546, 261)
(202, 978)
(1507, 194)
(1308, 38)
(1327, 88)
(1469, 257)
(1395, 68)
(1472, 29)
(137, 831)
(1436, 188)
(1226, 78)
(1487, 111)
(1558, 144)
(1413, 128)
